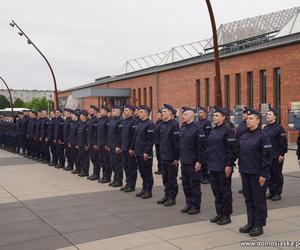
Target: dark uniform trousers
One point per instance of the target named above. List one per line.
(116, 165)
(53, 152)
(204, 171)
(33, 147)
(69, 156)
(255, 199)
(157, 152)
(169, 176)
(191, 185)
(130, 168)
(84, 161)
(94, 155)
(221, 187)
(45, 151)
(145, 169)
(276, 181)
(75, 157)
(59, 155)
(104, 163)
(38, 148)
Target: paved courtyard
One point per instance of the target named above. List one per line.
(45, 208)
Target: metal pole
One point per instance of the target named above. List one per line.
(11, 100)
(218, 89)
(29, 41)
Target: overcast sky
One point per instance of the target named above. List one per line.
(87, 39)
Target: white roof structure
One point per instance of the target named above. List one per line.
(268, 26)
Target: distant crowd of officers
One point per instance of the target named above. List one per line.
(119, 143)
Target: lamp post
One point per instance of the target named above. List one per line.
(218, 89)
(11, 101)
(30, 42)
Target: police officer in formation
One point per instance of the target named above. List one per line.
(122, 139)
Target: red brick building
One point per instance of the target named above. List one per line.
(258, 65)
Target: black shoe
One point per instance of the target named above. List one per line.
(45, 162)
(35, 158)
(246, 229)
(146, 195)
(40, 160)
(51, 164)
(185, 209)
(123, 188)
(269, 196)
(193, 211)
(68, 169)
(170, 202)
(93, 178)
(162, 200)
(105, 181)
(115, 185)
(139, 194)
(83, 174)
(110, 184)
(276, 197)
(256, 231)
(225, 219)
(204, 181)
(129, 189)
(158, 172)
(241, 191)
(216, 218)
(74, 172)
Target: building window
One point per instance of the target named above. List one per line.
(145, 96)
(134, 97)
(238, 96)
(227, 91)
(277, 91)
(198, 93)
(150, 97)
(250, 89)
(207, 94)
(139, 96)
(263, 86)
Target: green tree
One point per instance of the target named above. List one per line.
(39, 103)
(4, 103)
(19, 103)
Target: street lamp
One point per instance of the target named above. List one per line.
(11, 101)
(218, 89)
(29, 41)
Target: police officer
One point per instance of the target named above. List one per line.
(58, 140)
(255, 155)
(128, 161)
(37, 136)
(298, 148)
(242, 129)
(50, 139)
(92, 141)
(72, 142)
(158, 124)
(44, 123)
(142, 148)
(169, 152)
(221, 158)
(191, 156)
(24, 126)
(66, 133)
(114, 146)
(82, 144)
(102, 144)
(205, 125)
(277, 136)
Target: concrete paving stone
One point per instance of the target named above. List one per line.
(209, 240)
(237, 246)
(101, 233)
(48, 243)
(9, 204)
(293, 220)
(287, 212)
(14, 215)
(5, 201)
(156, 246)
(10, 161)
(140, 239)
(24, 231)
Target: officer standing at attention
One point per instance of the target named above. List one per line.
(158, 124)
(169, 152)
(242, 129)
(82, 144)
(37, 137)
(66, 132)
(102, 142)
(255, 156)
(205, 125)
(44, 128)
(114, 146)
(191, 156)
(50, 138)
(72, 142)
(298, 148)
(92, 142)
(24, 126)
(142, 148)
(128, 161)
(277, 136)
(58, 140)
(221, 158)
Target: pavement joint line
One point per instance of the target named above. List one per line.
(40, 218)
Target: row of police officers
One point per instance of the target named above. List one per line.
(119, 143)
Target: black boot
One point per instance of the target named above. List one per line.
(193, 211)
(276, 197)
(246, 229)
(185, 209)
(256, 231)
(129, 189)
(139, 194)
(147, 195)
(225, 219)
(162, 200)
(170, 202)
(216, 218)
